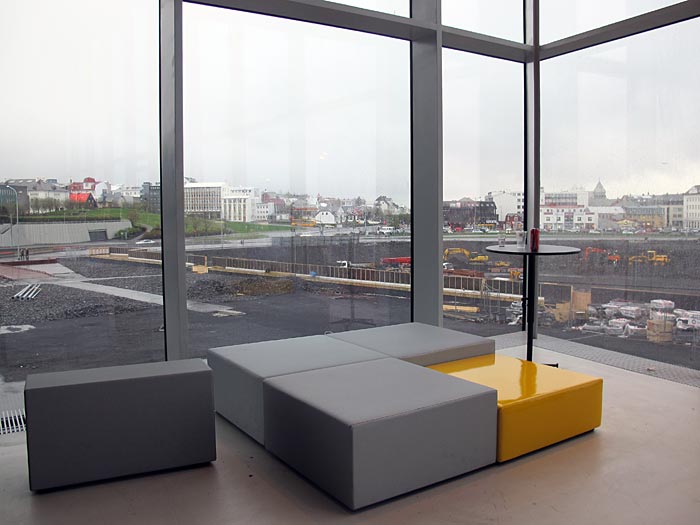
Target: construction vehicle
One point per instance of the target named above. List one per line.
(656, 259)
(464, 273)
(396, 262)
(461, 251)
(349, 264)
(304, 223)
(516, 274)
(610, 257)
(651, 257)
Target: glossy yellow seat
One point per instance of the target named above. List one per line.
(538, 405)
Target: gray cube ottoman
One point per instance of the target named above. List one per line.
(369, 431)
(239, 372)
(419, 343)
(89, 425)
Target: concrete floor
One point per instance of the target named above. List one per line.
(642, 466)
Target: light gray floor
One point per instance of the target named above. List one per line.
(641, 467)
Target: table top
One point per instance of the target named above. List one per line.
(545, 249)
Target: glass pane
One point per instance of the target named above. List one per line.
(78, 137)
(298, 136)
(620, 171)
(563, 19)
(502, 18)
(483, 191)
(393, 7)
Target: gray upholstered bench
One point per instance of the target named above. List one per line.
(419, 343)
(239, 372)
(369, 431)
(89, 425)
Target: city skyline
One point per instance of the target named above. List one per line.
(319, 110)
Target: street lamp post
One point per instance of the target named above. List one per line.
(222, 231)
(12, 236)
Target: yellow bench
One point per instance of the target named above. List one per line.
(538, 405)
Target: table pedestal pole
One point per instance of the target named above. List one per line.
(532, 305)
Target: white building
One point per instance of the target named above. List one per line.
(511, 202)
(263, 211)
(238, 208)
(507, 203)
(205, 198)
(39, 190)
(240, 204)
(325, 217)
(574, 197)
(571, 217)
(691, 208)
(127, 194)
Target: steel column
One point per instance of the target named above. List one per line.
(426, 162)
(172, 180)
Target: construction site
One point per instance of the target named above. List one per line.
(623, 290)
(629, 297)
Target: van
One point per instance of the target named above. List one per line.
(386, 230)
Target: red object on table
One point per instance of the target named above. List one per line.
(534, 239)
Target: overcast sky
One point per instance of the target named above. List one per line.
(286, 106)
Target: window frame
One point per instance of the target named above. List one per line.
(424, 30)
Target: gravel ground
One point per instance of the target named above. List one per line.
(97, 268)
(57, 302)
(150, 283)
(212, 287)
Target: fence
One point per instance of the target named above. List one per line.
(197, 260)
(337, 272)
(491, 287)
(137, 253)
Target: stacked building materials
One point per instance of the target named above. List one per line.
(660, 330)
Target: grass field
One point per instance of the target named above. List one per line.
(139, 218)
(193, 225)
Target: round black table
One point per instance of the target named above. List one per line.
(531, 295)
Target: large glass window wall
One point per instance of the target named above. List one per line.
(620, 174)
(297, 164)
(80, 272)
(562, 19)
(502, 18)
(392, 7)
(297, 178)
(482, 191)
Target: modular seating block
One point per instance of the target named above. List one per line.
(419, 343)
(369, 431)
(88, 425)
(240, 370)
(538, 405)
